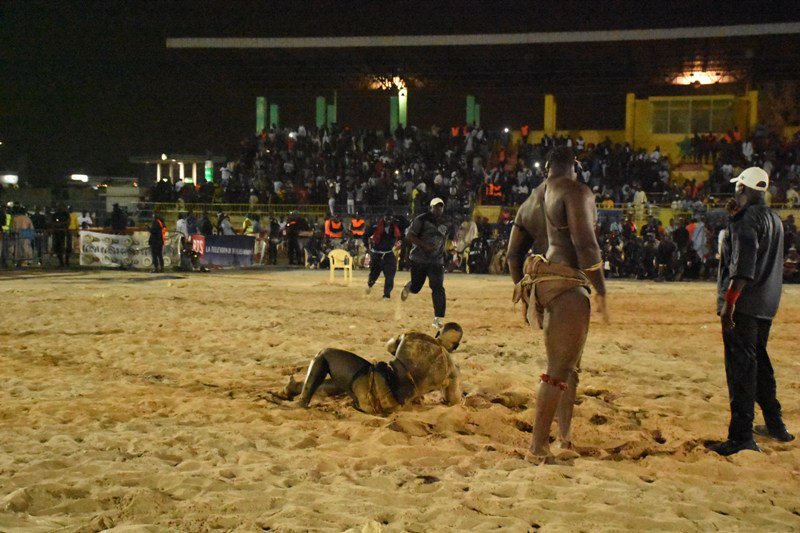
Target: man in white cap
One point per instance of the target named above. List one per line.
(427, 234)
(748, 294)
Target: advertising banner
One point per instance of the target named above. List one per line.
(114, 251)
(225, 250)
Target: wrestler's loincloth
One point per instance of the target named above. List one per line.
(372, 390)
(547, 281)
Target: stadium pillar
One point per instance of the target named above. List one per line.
(470, 110)
(209, 171)
(332, 117)
(322, 111)
(549, 114)
(477, 115)
(393, 112)
(261, 113)
(630, 118)
(274, 116)
(752, 122)
(402, 106)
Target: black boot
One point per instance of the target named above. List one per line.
(729, 447)
(774, 431)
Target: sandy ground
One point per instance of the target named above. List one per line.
(135, 402)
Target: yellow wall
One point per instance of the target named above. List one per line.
(741, 113)
(789, 131)
(630, 118)
(641, 123)
(549, 113)
(752, 96)
(639, 129)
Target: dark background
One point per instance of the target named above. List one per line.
(86, 85)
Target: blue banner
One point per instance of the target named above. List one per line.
(225, 250)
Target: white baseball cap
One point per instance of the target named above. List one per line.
(753, 177)
(437, 201)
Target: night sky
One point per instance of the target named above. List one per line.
(86, 85)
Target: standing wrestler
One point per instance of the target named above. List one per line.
(748, 293)
(560, 214)
(384, 238)
(427, 235)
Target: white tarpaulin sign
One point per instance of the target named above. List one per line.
(103, 249)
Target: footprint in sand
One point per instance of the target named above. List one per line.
(414, 428)
(598, 420)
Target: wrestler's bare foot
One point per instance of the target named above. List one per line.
(540, 457)
(567, 451)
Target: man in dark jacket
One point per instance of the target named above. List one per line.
(427, 235)
(748, 293)
(118, 220)
(156, 242)
(60, 230)
(384, 238)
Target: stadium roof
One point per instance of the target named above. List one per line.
(491, 39)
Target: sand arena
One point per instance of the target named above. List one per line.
(135, 402)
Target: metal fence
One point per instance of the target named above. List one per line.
(38, 247)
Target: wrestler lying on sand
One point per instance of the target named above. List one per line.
(421, 364)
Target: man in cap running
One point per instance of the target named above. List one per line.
(427, 234)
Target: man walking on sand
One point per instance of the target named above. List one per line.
(427, 235)
(748, 293)
(557, 285)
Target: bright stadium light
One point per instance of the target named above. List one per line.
(505, 130)
(536, 164)
(163, 157)
(702, 78)
(9, 179)
(80, 177)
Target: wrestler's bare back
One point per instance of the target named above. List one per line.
(570, 208)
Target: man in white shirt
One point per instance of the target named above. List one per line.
(639, 198)
(181, 227)
(747, 150)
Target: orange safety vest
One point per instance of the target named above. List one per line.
(357, 227)
(333, 229)
(163, 230)
(454, 131)
(524, 130)
(493, 190)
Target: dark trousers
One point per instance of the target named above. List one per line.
(273, 252)
(157, 253)
(435, 275)
(295, 253)
(386, 263)
(60, 246)
(750, 375)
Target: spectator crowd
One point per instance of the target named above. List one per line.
(358, 173)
